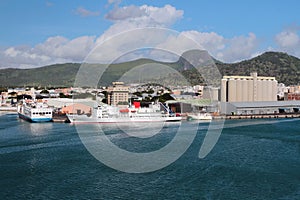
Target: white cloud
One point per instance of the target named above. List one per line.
(86, 13)
(209, 41)
(225, 49)
(133, 17)
(166, 15)
(54, 50)
(111, 48)
(163, 16)
(114, 1)
(240, 48)
(125, 13)
(22, 57)
(59, 49)
(289, 41)
(11, 52)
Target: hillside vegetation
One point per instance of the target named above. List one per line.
(284, 67)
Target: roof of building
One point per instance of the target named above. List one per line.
(195, 102)
(263, 104)
(76, 106)
(250, 77)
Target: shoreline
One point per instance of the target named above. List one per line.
(5, 109)
(64, 119)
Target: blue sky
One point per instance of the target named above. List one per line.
(37, 32)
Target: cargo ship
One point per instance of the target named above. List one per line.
(111, 114)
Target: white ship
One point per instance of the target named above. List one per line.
(110, 114)
(35, 111)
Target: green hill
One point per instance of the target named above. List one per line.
(52, 75)
(284, 67)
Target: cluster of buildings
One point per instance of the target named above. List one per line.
(237, 95)
(12, 95)
(248, 95)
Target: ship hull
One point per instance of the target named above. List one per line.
(77, 119)
(36, 120)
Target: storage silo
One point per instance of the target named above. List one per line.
(245, 90)
(231, 90)
(224, 90)
(239, 90)
(260, 92)
(274, 90)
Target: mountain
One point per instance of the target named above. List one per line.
(284, 67)
(52, 75)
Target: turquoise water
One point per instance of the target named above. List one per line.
(253, 159)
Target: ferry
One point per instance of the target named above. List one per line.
(35, 111)
(111, 114)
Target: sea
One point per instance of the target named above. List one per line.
(252, 159)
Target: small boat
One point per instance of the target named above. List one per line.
(110, 114)
(200, 116)
(35, 111)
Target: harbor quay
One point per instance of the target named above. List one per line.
(238, 97)
(258, 116)
(283, 109)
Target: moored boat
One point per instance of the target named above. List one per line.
(200, 116)
(35, 111)
(110, 114)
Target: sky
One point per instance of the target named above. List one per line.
(36, 33)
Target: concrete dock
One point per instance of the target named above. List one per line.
(259, 116)
(60, 118)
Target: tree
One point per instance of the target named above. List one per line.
(44, 92)
(3, 89)
(13, 94)
(163, 98)
(23, 96)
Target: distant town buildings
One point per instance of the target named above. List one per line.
(248, 88)
(292, 96)
(238, 95)
(292, 93)
(294, 89)
(282, 90)
(210, 92)
(288, 93)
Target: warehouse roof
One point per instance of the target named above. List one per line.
(264, 104)
(195, 102)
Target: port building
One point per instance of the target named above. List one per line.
(262, 107)
(253, 95)
(248, 88)
(117, 94)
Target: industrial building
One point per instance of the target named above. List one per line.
(118, 93)
(248, 88)
(261, 107)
